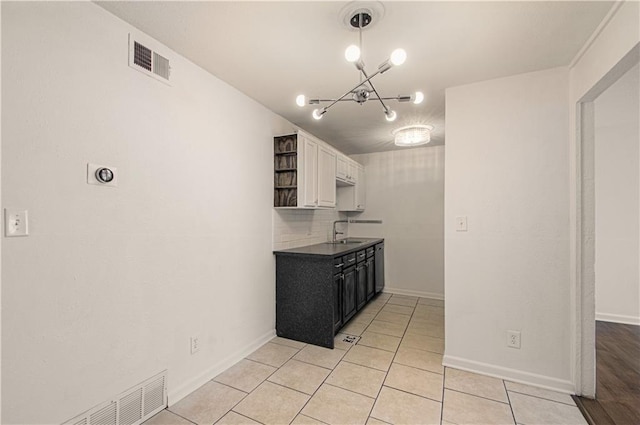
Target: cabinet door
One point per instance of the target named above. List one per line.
(352, 172)
(337, 301)
(341, 167)
(349, 294)
(379, 265)
(371, 289)
(309, 173)
(360, 189)
(361, 278)
(326, 177)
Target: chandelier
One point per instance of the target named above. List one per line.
(364, 90)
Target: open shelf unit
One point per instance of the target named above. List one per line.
(285, 166)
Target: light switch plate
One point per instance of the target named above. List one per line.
(461, 223)
(91, 175)
(16, 222)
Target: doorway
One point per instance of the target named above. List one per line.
(586, 223)
(611, 231)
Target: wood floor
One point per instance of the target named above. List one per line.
(617, 377)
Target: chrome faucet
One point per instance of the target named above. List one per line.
(335, 232)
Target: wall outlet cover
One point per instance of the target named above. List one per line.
(16, 222)
(513, 339)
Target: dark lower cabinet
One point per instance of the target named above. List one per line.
(337, 301)
(361, 279)
(317, 294)
(348, 294)
(379, 266)
(371, 281)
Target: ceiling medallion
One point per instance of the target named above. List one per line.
(359, 19)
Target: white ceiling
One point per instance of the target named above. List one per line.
(273, 51)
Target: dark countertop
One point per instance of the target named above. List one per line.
(331, 249)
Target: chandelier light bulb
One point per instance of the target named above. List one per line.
(317, 113)
(398, 57)
(352, 54)
(390, 115)
(418, 97)
(301, 100)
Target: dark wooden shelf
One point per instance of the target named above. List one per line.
(286, 153)
(280, 170)
(286, 187)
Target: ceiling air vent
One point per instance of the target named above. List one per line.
(144, 57)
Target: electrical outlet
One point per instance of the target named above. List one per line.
(16, 222)
(195, 344)
(513, 339)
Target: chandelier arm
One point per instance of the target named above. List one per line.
(334, 100)
(380, 98)
(368, 79)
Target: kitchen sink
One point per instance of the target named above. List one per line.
(346, 242)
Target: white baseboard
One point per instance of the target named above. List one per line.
(618, 318)
(177, 394)
(513, 375)
(411, 293)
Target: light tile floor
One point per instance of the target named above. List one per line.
(392, 375)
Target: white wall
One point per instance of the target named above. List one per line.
(617, 189)
(405, 188)
(506, 169)
(111, 282)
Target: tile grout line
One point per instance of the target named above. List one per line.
(246, 394)
(410, 393)
(513, 415)
(477, 396)
(444, 376)
(180, 416)
(240, 414)
(542, 398)
(375, 401)
(316, 391)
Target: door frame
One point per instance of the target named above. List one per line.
(584, 225)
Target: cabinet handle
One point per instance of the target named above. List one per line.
(352, 260)
(337, 266)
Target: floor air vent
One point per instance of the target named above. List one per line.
(132, 407)
(144, 57)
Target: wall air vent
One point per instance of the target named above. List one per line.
(144, 57)
(132, 407)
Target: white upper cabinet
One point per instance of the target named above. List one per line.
(360, 188)
(308, 172)
(352, 198)
(352, 172)
(342, 168)
(346, 171)
(326, 177)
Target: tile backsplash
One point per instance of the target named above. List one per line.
(294, 228)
